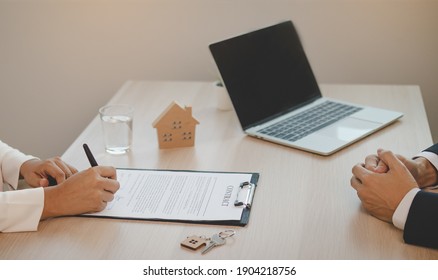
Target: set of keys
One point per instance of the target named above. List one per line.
(195, 242)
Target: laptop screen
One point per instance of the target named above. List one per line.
(266, 73)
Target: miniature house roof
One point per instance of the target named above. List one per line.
(175, 112)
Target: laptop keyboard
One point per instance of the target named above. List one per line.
(310, 120)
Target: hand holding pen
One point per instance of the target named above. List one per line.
(84, 192)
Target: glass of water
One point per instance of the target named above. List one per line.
(117, 127)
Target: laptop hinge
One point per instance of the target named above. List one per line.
(284, 112)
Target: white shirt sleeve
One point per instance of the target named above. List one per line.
(431, 157)
(10, 163)
(401, 213)
(20, 210)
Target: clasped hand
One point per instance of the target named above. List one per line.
(384, 179)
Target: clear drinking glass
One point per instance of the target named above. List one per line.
(117, 127)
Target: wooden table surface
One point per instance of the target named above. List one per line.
(304, 207)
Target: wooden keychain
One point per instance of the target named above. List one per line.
(194, 242)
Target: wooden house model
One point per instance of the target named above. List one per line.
(175, 127)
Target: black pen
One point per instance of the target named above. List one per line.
(90, 156)
(52, 181)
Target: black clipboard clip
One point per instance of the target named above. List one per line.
(248, 188)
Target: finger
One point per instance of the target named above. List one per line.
(54, 171)
(381, 167)
(44, 182)
(106, 171)
(111, 186)
(371, 162)
(356, 183)
(50, 169)
(63, 166)
(102, 206)
(107, 197)
(359, 171)
(390, 159)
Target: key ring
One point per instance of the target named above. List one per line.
(227, 233)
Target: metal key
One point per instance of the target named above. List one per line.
(215, 240)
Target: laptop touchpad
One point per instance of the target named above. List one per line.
(349, 129)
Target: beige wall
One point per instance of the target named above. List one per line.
(61, 60)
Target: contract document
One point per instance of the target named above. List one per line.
(181, 196)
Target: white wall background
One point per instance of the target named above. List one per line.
(61, 60)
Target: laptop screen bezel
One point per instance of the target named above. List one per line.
(266, 73)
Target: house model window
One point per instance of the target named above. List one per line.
(175, 127)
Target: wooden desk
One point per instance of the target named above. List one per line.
(304, 207)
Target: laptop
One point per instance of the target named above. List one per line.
(276, 96)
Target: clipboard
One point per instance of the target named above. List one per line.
(198, 193)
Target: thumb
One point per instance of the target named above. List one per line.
(33, 180)
(390, 159)
(44, 182)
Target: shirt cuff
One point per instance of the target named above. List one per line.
(21, 210)
(11, 166)
(431, 157)
(401, 213)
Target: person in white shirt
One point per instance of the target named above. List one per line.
(74, 193)
(402, 191)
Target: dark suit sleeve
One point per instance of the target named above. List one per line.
(433, 149)
(421, 226)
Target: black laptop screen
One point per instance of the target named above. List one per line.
(266, 73)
